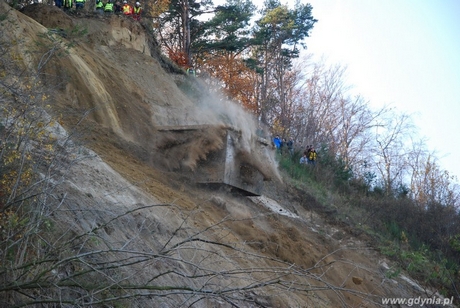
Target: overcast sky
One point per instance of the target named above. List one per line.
(404, 53)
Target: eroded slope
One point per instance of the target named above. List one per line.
(205, 243)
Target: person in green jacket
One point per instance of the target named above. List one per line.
(67, 4)
(99, 6)
(191, 71)
(108, 8)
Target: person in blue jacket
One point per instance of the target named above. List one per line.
(277, 142)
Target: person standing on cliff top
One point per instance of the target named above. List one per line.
(127, 9)
(117, 8)
(108, 8)
(80, 4)
(137, 11)
(99, 7)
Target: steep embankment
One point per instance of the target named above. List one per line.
(207, 243)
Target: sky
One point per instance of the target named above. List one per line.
(401, 53)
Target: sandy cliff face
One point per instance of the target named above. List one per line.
(205, 243)
(105, 65)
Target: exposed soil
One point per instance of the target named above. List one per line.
(111, 76)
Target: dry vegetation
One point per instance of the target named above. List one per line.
(89, 219)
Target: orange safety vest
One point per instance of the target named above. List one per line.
(127, 9)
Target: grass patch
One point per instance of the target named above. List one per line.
(380, 217)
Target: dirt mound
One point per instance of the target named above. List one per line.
(49, 16)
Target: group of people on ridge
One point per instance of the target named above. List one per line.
(309, 155)
(107, 7)
(280, 143)
(126, 9)
(68, 4)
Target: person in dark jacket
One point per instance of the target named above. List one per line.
(117, 8)
(80, 4)
(290, 146)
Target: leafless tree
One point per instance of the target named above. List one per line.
(327, 114)
(391, 151)
(428, 182)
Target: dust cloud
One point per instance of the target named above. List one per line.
(215, 115)
(176, 149)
